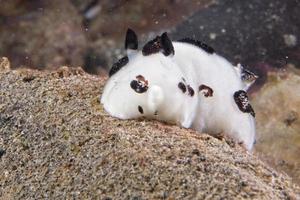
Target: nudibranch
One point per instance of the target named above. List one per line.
(182, 82)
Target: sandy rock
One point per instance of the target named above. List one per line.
(57, 142)
(249, 32)
(4, 64)
(277, 107)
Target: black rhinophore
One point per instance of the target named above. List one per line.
(199, 44)
(167, 45)
(131, 40)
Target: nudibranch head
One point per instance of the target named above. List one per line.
(146, 84)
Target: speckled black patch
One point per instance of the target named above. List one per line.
(242, 101)
(182, 87)
(197, 43)
(190, 90)
(207, 91)
(159, 43)
(142, 79)
(140, 85)
(118, 65)
(152, 47)
(141, 109)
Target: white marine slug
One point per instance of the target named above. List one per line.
(183, 82)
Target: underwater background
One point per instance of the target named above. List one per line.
(262, 35)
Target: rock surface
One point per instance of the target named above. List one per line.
(249, 32)
(278, 121)
(56, 142)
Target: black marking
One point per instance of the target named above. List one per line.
(191, 90)
(182, 87)
(200, 44)
(141, 109)
(208, 92)
(118, 65)
(159, 43)
(156, 112)
(242, 101)
(140, 85)
(142, 79)
(131, 40)
(152, 47)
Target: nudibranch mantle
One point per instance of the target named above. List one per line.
(183, 83)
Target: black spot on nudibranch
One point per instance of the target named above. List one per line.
(207, 91)
(142, 79)
(242, 101)
(140, 85)
(118, 65)
(190, 90)
(199, 44)
(141, 109)
(182, 87)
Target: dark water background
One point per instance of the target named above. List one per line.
(262, 35)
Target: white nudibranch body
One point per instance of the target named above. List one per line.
(182, 82)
